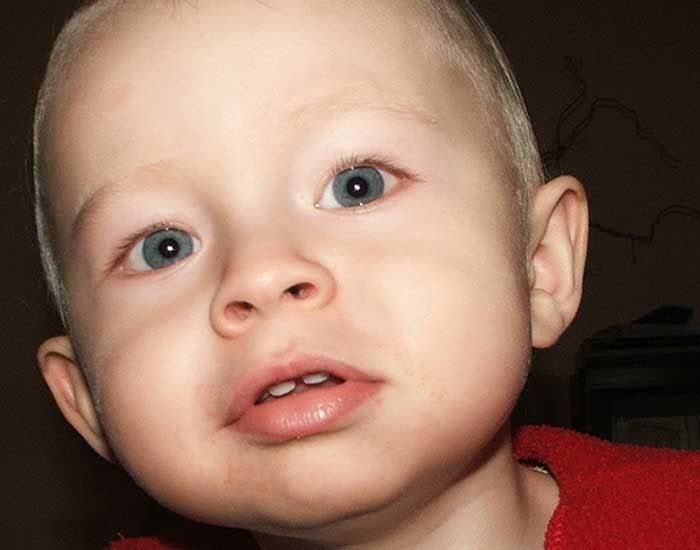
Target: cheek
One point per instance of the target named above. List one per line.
(448, 307)
(461, 341)
(162, 405)
(133, 329)
(148, 387)
(156, 381)
(462, 358)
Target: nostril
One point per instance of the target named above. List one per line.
(241, 310)
(301, 291)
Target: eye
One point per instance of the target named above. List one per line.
(161, 249)
(356, 186)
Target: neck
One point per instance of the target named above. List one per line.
(496, 504)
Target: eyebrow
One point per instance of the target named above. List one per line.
(349, 101)
(100, 198)
(95, 201)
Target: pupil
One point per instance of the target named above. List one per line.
(357, 187)
(169, 248)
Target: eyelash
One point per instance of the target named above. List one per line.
(341, 165)
(376, 161)
(129, 242)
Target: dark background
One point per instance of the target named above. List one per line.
(642, 56)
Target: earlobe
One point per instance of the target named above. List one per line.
(557, 254)
(70, 390)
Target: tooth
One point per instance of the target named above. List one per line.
(316, 378)
(283, 388)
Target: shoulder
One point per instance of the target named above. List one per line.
(616, 496)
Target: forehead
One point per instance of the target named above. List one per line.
(160, 77)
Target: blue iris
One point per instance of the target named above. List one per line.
(166, 247)
(358, 186)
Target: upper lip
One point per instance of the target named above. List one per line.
(253, 385)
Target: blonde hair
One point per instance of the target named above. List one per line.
(468, 42)
(462, 38)
(72, 39)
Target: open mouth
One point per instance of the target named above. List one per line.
(303, 397)
(295, 386)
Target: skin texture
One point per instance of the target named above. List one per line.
(231, 132)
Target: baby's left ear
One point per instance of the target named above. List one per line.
(558, 225)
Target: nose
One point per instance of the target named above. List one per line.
(269, 283)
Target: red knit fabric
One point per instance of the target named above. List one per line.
(142, 543)
(611, 497)
(190, 536)
(616, 497)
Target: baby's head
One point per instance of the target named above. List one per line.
(236, 200)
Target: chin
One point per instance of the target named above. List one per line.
(325, 511)
(329, 504)
(348, 512)
(334, 524)
(312, 507)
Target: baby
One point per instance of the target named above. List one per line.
(302, 252)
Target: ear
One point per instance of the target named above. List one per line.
(70, 390)
(557, 253)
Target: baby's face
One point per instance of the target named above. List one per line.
(251, 193)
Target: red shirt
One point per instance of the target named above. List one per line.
(612, 497)
(616, 497)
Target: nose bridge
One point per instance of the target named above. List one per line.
(265, 273)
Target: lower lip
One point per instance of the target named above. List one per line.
(302, 415)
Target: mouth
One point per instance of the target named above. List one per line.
(299, 385)
(304, 397)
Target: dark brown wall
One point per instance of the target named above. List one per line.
(645, 54)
